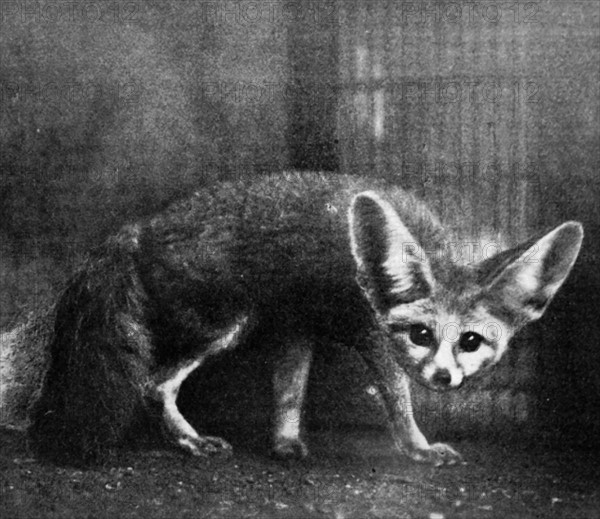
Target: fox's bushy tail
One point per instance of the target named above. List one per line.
(100, 356)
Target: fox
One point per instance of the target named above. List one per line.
(295, 260)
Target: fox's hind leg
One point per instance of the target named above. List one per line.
(289, 382)
(167, 383)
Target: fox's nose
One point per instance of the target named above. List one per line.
(442, 377)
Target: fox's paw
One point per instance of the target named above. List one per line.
(204, 445)
(290, 449)
(437, 454)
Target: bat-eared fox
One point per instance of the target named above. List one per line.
(306, 258)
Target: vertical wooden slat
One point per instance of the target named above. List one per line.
(361, 96)
(345, 122)
(391, 156)
(377, 12)
(313, 57)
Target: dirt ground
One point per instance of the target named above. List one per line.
(348, 475)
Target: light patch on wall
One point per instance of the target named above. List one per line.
(362, 55)
(379, 115)
(361, 101)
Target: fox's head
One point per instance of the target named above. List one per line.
(448, 322)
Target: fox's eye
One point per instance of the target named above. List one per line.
(420, 335)
(470, 341)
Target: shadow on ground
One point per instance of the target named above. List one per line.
(348, 475)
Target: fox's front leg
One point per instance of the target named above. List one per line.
(393, 384)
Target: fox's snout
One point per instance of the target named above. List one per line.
(443, 379)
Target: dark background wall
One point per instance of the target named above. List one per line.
(108, 113)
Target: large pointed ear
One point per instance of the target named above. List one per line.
(524, 280)
(392, 268)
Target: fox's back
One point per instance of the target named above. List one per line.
(277, 244)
